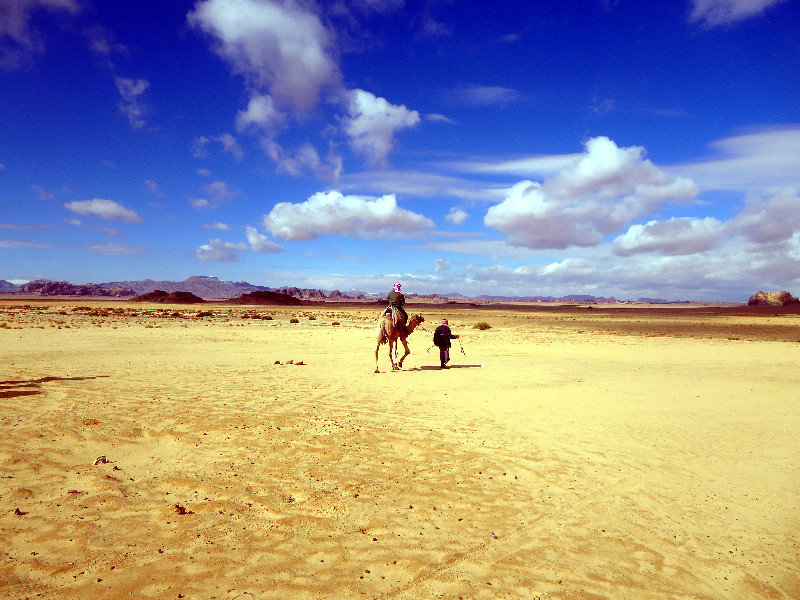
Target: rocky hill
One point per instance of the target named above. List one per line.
(199, 285)
(6, 287)
(772, 299)
(266, 298)
(169, 298)
(44, 287)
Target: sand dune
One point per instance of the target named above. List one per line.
(572, 454)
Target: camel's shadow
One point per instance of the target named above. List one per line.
(434, 368)
(11, 389)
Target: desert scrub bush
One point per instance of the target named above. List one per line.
(312, 318)
(294, 320)
(482, 326)
(336, 323)
(267, 317)
(205, 313)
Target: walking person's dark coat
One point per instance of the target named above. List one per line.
(441, 338)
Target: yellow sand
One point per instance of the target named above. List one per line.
(569, 455)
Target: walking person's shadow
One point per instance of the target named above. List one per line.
(434, 368)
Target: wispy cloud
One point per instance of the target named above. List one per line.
(227, 141)
(218, 191)
(130, 104)
(43, 194)
(103, 209)
(711, 13)
(218, 226)
(751, 162)
(535, 166)
(484, 95)
(103, 41)
(12, 243)
(303, 160)
(116, 249)
(19, 40)
(18, 226)
(438, 118)
(230, 145)
(423, 184)
(494, 249)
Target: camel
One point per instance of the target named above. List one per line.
(388, 332)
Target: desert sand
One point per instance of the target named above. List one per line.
(570, 453)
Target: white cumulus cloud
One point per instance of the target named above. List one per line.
(218, 251)
(441, 265)
(279, 46)
(456, 216)
(261, 112)
(261, 243)
(602, 192)
(104, 209)
(372, 123)
(335, 214)
(675, 237)
(769, 221)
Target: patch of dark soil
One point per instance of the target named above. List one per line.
(265, 298)
(166, 298)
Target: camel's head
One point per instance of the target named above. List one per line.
(418, 318)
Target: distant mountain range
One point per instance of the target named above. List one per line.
(199, 285)
(214, 288)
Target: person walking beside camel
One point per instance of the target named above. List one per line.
(441, 338)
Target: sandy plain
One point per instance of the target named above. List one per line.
(571, 453)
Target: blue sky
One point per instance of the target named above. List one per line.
(525, 148)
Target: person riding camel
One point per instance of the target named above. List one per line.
(396, 300)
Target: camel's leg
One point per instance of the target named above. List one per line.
(393, 354)
(382, 338)
(405, 346)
